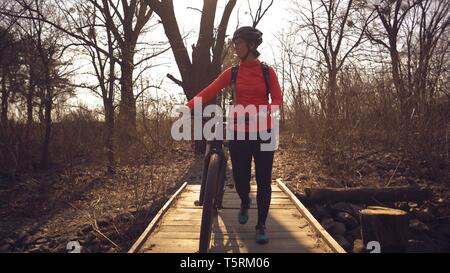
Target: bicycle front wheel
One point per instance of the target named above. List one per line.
(212, 181)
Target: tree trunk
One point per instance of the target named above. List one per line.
(367, 195)
(48, 127)
(4, 102)
(109, 135)
(332, 111)
(29, 102)
(386, 226)
(108, 101)
(127, 115)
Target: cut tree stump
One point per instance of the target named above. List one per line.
(366, 195)
(387, 226)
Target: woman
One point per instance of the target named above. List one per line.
(250, 89)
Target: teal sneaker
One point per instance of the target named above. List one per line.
(243, 213)
(261, 236)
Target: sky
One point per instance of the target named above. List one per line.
(275, 20)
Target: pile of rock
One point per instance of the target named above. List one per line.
(341, 220)
(89, 239)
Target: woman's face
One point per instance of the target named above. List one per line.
(241, 47)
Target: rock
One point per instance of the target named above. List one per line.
(104, 247)
(355, 233)
(417, 246)
(418, 225)
(53, 243)
(41, 241)
(346, 218)
(356, 210)
(327, 223)
(62, 239)
(424, 215)
(27, 240)
(424, 172)
(125, 217)
(19, 250)
(304, 177)
(89, 238)
(86, 228)
(44, 248)
(5, 248)
(22, 235)
(9, 241)
(341, 207)
(402, 206)
(61, 249)
(320, 212)
(34, 250)
(338, 228)
(104, 222)
(343, 242)
(111, 250)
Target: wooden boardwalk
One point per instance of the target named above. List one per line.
(290, 226)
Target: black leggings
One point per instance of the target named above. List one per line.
(241, 153)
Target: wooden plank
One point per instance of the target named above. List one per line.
(152, 225)
(232, 218)
(231, 236)
(187, 214)
(195, 227)
(236, 201)
(236, 205)
(235, 246)
(233, 197)
(233, 222)
(253, 188)
(314, 223)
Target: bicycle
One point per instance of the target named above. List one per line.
(212, 185)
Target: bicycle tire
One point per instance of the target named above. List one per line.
(209, 203)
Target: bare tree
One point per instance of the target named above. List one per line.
(90, 26)
(9, 66)
(126, 20)
(338, 28)
(392, 15)
(260, 11)
(52, 79)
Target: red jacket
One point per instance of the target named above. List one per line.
(250, 89)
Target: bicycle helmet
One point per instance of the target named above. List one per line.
(249, 34)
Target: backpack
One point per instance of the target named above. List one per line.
(234, 73)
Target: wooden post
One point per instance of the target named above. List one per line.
(387, 226)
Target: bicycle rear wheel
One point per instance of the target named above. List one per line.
(212, 181)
